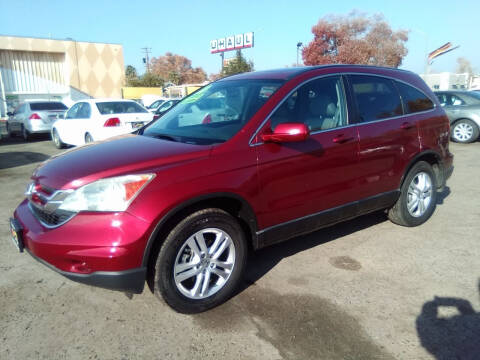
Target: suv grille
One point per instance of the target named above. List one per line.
(54, 219)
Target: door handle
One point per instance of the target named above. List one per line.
(340, 139)
(406, 125)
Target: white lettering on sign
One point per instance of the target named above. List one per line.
(248, 39)
(229, 43)
(221, 44)
(213, 46)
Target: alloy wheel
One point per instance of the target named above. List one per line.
(204, 263)
(419, 195)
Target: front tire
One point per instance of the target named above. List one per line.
(201, 262)
(418, 197)
(465, 131)
(57, 141)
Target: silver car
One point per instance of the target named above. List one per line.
(463, 110)
(34, 117)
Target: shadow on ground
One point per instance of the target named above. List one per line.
(19, 158)
(450, 336)
(262, 261)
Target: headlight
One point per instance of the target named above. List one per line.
(111, 194)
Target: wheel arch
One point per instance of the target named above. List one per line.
(473, 119)
(232, 203)
(435, 160)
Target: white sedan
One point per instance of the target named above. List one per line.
(98, 119)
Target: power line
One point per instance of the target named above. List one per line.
(146, 59)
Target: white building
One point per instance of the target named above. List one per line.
(448, 81)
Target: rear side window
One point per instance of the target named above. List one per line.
(414, 100)
(119, 107)
(376, 97)
(47, 106)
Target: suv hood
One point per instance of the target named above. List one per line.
(121, 155)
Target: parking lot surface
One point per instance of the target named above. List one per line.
(364, 289)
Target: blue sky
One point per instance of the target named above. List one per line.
(186, 27)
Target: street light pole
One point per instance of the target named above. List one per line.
(299, 45)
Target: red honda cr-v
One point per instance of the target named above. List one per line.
(246, 161)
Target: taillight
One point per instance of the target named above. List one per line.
(35, 116)
(155, 117)
(112, 122)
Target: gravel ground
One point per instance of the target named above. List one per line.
(364, 289)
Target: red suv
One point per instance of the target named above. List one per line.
(245, 162)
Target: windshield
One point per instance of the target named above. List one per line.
(214, 113)
(119, 107)
(48, 106)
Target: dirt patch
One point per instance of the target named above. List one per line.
(298, 326)
(345, 263)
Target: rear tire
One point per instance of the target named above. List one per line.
(201, 262)
(418, 197)
(465, 131)
(57, 141)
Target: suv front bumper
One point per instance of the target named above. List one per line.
(99, 249)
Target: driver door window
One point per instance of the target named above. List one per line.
(319, 104)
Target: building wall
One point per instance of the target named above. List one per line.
(447, 81)
(34, 66)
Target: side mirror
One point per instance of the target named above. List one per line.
(287, 132)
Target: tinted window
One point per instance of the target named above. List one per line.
(319, 104)
(376, 97)
(119, 107)
(413, 99)
(214, 113)
(48, 106)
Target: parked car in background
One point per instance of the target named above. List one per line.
(164, 107)
(34, 117)
(292, 151)
(155, 105)
(463, 110)
(98, 119)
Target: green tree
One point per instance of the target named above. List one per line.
(151, 80)
(237, 65)
(148, 79)
(131, 77)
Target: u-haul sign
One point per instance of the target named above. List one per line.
(239, 41)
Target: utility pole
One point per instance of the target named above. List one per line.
(146, 59)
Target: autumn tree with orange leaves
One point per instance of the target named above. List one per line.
(355, 39)
(177, 69)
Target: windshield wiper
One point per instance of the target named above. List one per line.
(164, 137)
